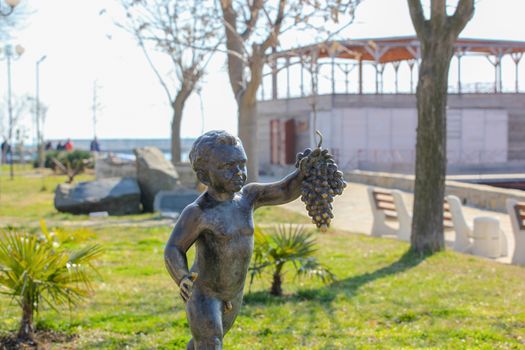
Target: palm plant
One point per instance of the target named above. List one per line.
(35, 270)
(289, 245)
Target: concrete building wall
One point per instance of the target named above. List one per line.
(377, 132)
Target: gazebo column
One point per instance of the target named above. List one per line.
(347, 68)
(381, 71)
(332, 63)
(360, 64)
(287, 77)
(415, 51)
(314, 74)
(273, 65)
(376, 52)
(411, 66)
(459, 54)
(516, 57)
(498, 55)
(346, 78)
(262, 88)
(302, 78)
(376, 65)
(395, 64)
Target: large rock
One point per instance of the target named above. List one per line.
(113, 166)
(117, 196)
(187, 176)
(171, 202)
(154, 174)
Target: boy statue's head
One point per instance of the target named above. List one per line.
(219, 161)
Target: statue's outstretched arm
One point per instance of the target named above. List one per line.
(280, 192)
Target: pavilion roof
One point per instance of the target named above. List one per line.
(384, 50)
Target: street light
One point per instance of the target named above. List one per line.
(11, 3)
(39, 138)
(10, 54)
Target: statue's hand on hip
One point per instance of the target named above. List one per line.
(186, 286)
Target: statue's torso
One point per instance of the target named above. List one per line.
(224, 247)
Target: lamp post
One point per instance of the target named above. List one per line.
(39, 138)
(11, 6)
(9, 53)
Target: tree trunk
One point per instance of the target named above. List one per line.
(178, 109)
(277, 289)
(175, 136)
(247, 109)
(26, 331)
(247, 124)
(431, 158)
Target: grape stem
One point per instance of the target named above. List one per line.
(320, 138)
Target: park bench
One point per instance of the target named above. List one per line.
(491, 243)
(388, 208)
(516, 211)
(391, 217)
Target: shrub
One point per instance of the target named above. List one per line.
(288, 245)
(39, 269)
(64, 157)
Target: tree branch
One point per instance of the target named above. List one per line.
(438, 10)
(150, 62)
(254, 16)
(464, 12)
(234, 46)
(418, 17)
(271, 40)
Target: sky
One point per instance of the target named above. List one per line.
(82, 47)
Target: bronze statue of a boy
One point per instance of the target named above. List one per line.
(220, 224)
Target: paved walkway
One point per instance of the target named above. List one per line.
(352, 213)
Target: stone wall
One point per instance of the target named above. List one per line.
(480, 196)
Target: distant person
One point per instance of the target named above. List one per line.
(5, 148)
(68, 146)
(94, 146)
(48, 146)
(60, 146)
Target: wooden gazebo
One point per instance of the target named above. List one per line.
(382, 51)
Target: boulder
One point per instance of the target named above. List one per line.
(154, 173)
(174, 201)
(113, 166)
(117, 196)
(187, 176)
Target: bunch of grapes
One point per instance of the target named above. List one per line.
(322, 182)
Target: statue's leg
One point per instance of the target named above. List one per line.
(205, 320)
(229, 316)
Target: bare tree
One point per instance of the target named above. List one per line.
(437, 36)
(96, 107)
(21, 108)
(252, 29)
(182, 30)
(12, 21)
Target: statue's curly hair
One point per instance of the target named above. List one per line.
(203, 146)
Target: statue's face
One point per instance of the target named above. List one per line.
(227, 168)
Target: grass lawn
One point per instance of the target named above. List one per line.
(384, 298)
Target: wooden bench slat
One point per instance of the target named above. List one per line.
(386, 206)
(390, 214)
(520, 205)
(385, 193)
(386, 200)
(519, 208)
